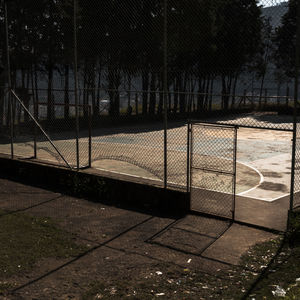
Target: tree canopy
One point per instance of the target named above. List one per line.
(122, 40)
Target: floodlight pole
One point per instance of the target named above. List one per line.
(9, 83)
(165, 67)
(76, 82)
(296, 94)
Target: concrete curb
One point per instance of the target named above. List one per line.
(85, 183)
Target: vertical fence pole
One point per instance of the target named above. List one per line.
(234, 171)
(90, 136)
(10, 98)
(76, 82)
(188, 157)
(35, 115)
(136, 104)
(165, 67)
(287, 97)
(297, 65)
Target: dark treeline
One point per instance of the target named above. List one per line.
(120, 48)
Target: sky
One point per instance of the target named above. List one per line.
(271, 2)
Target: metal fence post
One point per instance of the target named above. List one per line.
(10, 98)
(165, 66)
(35, 113)
(234, 170)
(76, 82)
(90, 135)
(188, 156)
(297, 65)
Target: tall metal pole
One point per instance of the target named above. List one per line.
(188, 157)
(234, 171)
(26, 110)
(296, 92)
(76, 82)
(165, 66)
(34, 98)
(9, 83)
(90, 136)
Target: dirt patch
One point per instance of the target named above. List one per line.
(271, 186)
(272, 174)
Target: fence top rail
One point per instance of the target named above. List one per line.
(211, 124)
(193, 93)
(228, 125)
(64, 104)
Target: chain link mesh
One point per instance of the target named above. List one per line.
(297, 169)
(228, 62)
(213, 168)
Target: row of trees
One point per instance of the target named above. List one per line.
(120, 47)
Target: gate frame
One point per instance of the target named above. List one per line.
(190, 160)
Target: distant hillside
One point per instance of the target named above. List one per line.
(275, 13)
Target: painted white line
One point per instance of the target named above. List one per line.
(184, 186)
(136, 176)
(260, 182)
(268, 200)
(257, 171)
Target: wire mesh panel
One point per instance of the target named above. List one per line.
(23, 125)
(120, 76)
(62, 132)
(142, 65)
(5, 134)
(213, 169)
(297, 169)
(132, 144)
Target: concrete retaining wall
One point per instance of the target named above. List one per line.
(87, 183)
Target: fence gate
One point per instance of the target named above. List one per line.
(213, 169)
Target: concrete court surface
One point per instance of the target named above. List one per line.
(263, 156)
(123, 241)
(263, 163)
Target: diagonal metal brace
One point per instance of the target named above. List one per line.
(40, 127)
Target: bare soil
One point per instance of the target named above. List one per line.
(130, 253)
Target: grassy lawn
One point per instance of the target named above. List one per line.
(25, 240)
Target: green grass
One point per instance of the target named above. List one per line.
(26, 239)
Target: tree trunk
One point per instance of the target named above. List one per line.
(97, 107)
(113, 85)
(36, 90)
(182, 96)
(50, 106)
(1, 104)
(66, 96)
(145, 87)
(234, 90)
(211, 95)
(175, 96)
(161, 96)
(226, 87)
(152, 103)
(200, 98)
(92, 86)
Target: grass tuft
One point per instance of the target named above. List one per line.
(26, 239)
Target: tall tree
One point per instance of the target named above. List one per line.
(285, 40)
(239, 25)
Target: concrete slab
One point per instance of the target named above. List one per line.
(235, 242)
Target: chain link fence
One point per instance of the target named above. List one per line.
(112, 84)
(213, 169)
